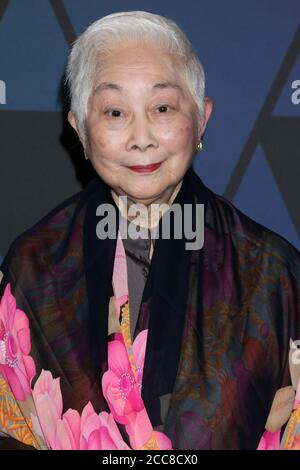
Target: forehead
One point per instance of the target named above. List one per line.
(162, 85)
(150, 65)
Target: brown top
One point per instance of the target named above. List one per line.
(138, 264)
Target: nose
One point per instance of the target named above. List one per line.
(141, 135)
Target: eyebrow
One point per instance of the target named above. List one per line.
(164, 85)
(107, 86)
(113, 86)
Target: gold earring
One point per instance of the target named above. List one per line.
(85, 155)
(199, 146)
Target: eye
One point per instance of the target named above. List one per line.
(114, 113)
(163, 108)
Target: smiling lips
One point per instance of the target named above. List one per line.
(145, 168)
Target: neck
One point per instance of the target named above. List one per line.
(154, 210)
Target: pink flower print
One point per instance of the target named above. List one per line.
(118, 383)
(139, 350)
(100, 432)
(100, 439)
(123, 392)
(141, 433)
(139, 429)
(163, 442)
(107, 421)
(48, 402)
(89, 432)
(297, 397)
(71, 431)
(68, 431)
(16, 366)
(120, 284)
(270, 440)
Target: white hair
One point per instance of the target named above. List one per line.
(118, 28)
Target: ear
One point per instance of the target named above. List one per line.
(208, 107)
(72, 121)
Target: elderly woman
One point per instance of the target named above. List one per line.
(110, 341)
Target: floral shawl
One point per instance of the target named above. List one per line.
(210, 349)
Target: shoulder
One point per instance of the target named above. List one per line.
(45, 230)
(53, 233)
(253, 239)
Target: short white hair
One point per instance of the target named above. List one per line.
(106, 33)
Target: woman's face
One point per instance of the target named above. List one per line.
(141, 113)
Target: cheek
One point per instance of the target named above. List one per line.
(96, 137)
(186, 132)
(179, 136)
(101, 142)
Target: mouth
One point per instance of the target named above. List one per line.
(145, 168)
